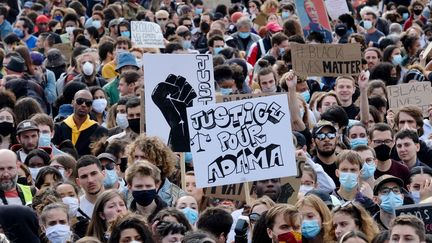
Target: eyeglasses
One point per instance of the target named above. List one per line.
(162, 19)
(109, 166)
(386, 190)
(254, 217)
(87, 102)
(322, 136)
(379, 142)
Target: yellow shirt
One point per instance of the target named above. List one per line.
(75, 130)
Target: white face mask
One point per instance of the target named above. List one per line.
(34, 172)
(122, 120)
(99, 105)
(58, 233)
(88, 68)
(73, 204)
(139, 62)
(69, 30)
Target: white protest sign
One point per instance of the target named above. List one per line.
(147, 34)
(241, 141)
(336, 8)
(173, 82)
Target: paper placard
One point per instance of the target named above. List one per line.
(65, 49)
(416, 93)
(421, 211)
(313, 17)
(336, 8)
(228, 98)
(147, 34)
(328, 60)
(240, 141)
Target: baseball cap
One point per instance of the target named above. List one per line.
(385, 179)
(107, 156)
(273, 27)
(323, 195)
(27, 125)
(321, 124)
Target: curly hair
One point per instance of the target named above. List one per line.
(45, 197)
(156, 152)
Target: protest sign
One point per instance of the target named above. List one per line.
(241, 141)
(329, 60)
(336, 8)
(147, 34)
(416, 93)
(421, 211)
(172, 83)
(65, 49)
(313, 17)
(228, 98)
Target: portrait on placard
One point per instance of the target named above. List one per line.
(314, 18)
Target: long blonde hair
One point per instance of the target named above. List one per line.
(324, 212)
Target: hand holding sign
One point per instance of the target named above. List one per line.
(172, 97)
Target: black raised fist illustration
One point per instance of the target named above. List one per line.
(172, 97)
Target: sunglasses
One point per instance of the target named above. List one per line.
(80, 101)
(322, 136)
(254, 217)
(162, 19)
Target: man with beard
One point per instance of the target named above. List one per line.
(270, 188)
(381, 140)
(28, 137)
(78, 127)
(324, 136)
(12, 193)
(87, 63)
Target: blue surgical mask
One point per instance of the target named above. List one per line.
(390, 201)
(355, 142)
(281, 51)
(125, 34)
(285, 15)
(18, 32)
(226, 91)
(367, 24)
(415, 196)
(191, 215)
(216, 50)
(97, 24)
(306, 95)
(405, 16)
(187, 44)
(397, 60)
(348, 180)
(44, 139)
(122, 120)
(111, 178)
(310, 228)
(244, 35)
(58, 18)
(367, 171)
(198, 11)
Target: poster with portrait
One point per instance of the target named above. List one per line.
(313, 17)
(173, 82)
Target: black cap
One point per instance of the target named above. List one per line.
(27, 125)
(323, 195)
(16, 64)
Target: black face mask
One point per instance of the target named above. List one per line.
(58, 71)
(144, 197)
(392, 81)
(22, 181)
(134, 125)
(417, 11)
(204, 27)
(6, 128)
(123, 164)
(382, 152)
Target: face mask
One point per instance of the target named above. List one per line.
(225, 91)
(44, 140)
(62, 172)
(417, 11)
(6, 128)
(58, 233)
(122, 120)
(34, 172)
(187, 44)
(123, 164)
(217, 50)
(367, 171)
(125, 34)
(69, 30)
(97, 24)
(355, 142)
(111, 178)
(281, 51)
(310, 228)
(99, 105)
(198, 11)
(305, 189)
(191, 215)
(306, 95)
(290, 237)
(348, 180)
(367, 24)
(88, 68)
(22, 181)
(397, 60)
(285, 15)
(73, 204)
(414, 194)
(301, 113)
(134, 125)
(244, 35)
(390, 202)
(269, 90)
(139, 62)
(18, 32)
(382, 152)
(392, 81)
(144, 197)
(405, 16)
(58, 18)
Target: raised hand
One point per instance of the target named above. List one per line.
(290, 79)
(172, 97)
(363, 80)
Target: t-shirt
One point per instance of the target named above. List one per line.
(31, 42)
(329, 169)
(12, 198)
(396, 169)
(86, 206)
(352, 111)
(374, 37)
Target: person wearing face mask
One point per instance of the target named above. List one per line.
(124, 29)
(372, 34)
(416, 9)
(419, 184)
(223, 77)
(189, 206)
(186, 36)
(215, 45)
(24, 29)
(143, 179)
(97, 20)
(46, 132)
(367, 172)
(99, 107)
(381, 140)
(7, 128)
(348, 166)
(279, 229)
(88, 70)
(388, 195)
(267, 81)
(56, 223)
(244, 37)
(112, 180)
(130, 120)
(279, 42)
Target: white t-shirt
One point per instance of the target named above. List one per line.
(86, 206)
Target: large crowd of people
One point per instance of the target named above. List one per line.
(76, 166)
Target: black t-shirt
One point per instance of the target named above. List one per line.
(329, 169)
(352, 111)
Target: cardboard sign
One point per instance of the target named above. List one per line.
(336, 8)
(313, 17)
(421, 211)
(147, 34)
(240, 141)
(174, 82)
(228, 98)
(66, 49)
(329, 60)
(416, 93)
